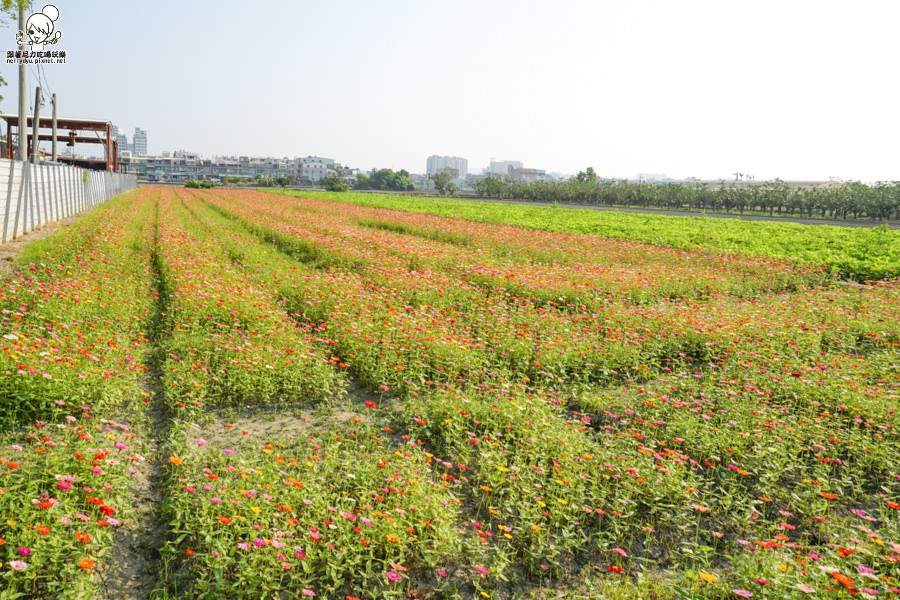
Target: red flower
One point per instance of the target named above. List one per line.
(614, 569)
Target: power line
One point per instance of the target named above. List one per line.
(44, 77)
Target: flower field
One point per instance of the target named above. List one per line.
(345, 401)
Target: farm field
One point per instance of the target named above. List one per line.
(859, 254)
(297, 397)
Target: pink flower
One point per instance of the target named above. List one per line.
(394, 576)
(307, 592)
(482, 570)
(18, 565)
(620, 552)
(742, 593)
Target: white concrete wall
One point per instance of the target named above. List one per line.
(38, 194)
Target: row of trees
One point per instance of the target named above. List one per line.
(880, 201)
(386, 179)
(259, 180)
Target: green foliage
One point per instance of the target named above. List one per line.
(492, 187)
(193, 183)
(441, 181)
(334, 182)
(386, 179)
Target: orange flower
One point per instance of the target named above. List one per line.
(708, 577)
(83, 537)
(12, 465)
(893, 505)
(828, 496)
(224, 520)
(175, 460)
(392, 538)
(843, 580)
(86, 563)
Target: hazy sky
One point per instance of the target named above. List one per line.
(788, 88)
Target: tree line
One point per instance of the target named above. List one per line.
(879, 201)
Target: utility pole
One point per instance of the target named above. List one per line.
(35, 158)
(54, 127)
(22, 150)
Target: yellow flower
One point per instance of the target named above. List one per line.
(708, 577)
(256, 509)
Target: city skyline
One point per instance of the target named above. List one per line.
(798, 90)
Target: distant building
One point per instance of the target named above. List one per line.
(314, 168)
(502, 167)
(121, 139)
(316, 159)
(651, 177)
(527, 175)
(437, 164)
(140, 141)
